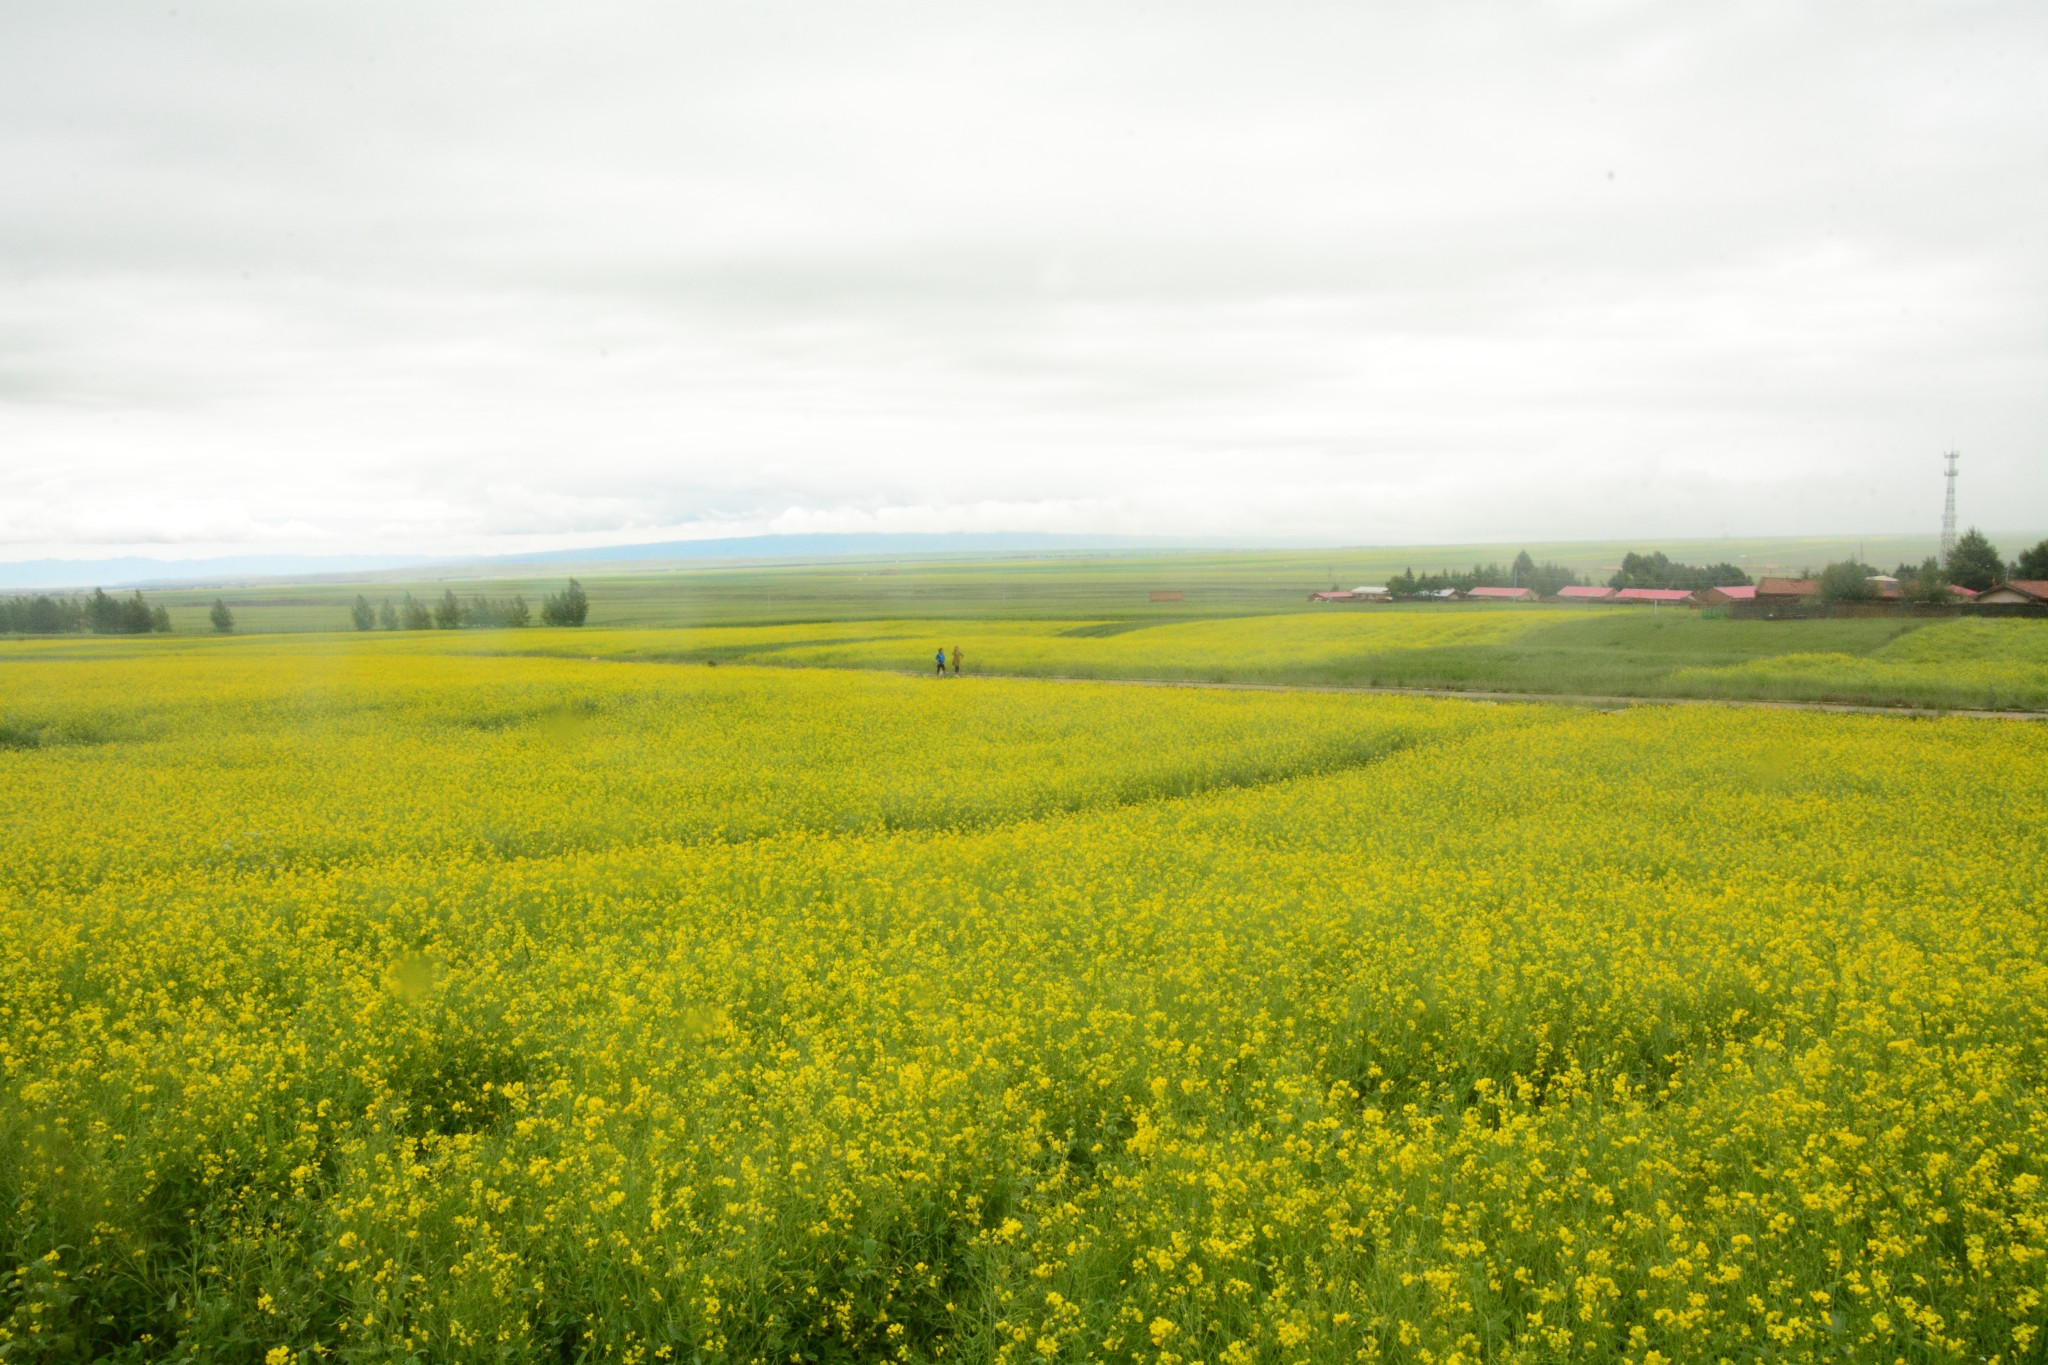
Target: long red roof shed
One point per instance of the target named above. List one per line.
(2019, 590)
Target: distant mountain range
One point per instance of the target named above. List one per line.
(33, 574)
(837, 546)
(133, 571)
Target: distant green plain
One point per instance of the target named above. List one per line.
(1540, 650)
(1228, 616)
(1069, 587)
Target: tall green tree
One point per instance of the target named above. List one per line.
(413, 614)
(1973, 562)
(1546, 578)
(2032, 563)
(1846, 581)
(362, 614)
(103, 613)
(387, 616)
(567, 608)
(222, 618)
(135, 615)
(1923, 583)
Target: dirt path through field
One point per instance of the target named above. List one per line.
(1553, 698)
(1605, 703)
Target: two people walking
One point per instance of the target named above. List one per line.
(940, 660)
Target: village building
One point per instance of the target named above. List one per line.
(1578, 593)
(1503, 594)
(1783, 590)
(2020, 592)
(1656, 597)
(1724, 596)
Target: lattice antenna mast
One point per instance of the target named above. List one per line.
(1948, 511)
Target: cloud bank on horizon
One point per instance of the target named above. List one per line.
(375, 278)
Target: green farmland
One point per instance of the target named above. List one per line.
(1067, 587)
(1219, 616)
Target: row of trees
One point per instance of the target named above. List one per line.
(101, 613)
(1653, 570)
(1973, 563)
(569, 607)
(1656, 570)
(1851, 580)
(450, 613)
(1525, 572)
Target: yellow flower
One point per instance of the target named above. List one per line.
(443, 986)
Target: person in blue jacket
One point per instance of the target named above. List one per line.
(942, 661)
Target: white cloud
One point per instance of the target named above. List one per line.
(377, 279)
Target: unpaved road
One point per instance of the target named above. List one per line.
(1550, 698)
(1603, 703)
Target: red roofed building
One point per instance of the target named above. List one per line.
(1664, 596)
(2019, 592)
(1721, 597)
(1504, 594)
(1786, 589)
(1576, 593)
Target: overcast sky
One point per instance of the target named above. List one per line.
(435, 279)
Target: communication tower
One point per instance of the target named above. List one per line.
(1948, 511)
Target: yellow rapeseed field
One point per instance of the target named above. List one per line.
(1246, 646)
(362, 1000)
(1243, 647)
